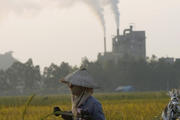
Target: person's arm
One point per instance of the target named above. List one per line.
(66, 115)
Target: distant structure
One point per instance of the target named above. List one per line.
(177, 60)
(169, 60)
(128, 88)
(6, 60)
(132, 44)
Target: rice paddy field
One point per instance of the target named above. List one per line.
(116, 106)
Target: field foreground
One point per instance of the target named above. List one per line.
(117, 106)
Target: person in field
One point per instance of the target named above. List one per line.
(81, 85)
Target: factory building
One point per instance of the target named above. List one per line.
(131, 44)
(169, 60)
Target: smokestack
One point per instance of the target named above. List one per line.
(118, 32)
(131, 28)
(104, 44)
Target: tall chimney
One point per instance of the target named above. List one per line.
(118, 32)
(131, 28)
(104, 44)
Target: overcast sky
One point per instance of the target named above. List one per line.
(56, 35)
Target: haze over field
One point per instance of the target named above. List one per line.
(67, 31)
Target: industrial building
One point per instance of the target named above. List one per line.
(131, 44)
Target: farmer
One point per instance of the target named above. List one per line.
(81, 85)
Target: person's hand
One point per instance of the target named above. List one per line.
(85, 115)
(67, 117)
(56, 110)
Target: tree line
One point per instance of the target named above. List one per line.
(149, 75)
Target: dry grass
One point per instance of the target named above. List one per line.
(122, 106)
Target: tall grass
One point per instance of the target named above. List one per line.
(116, 106)
(26, 106)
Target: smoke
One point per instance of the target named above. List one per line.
(115, 9)
(26, 7)
(97, 8)
(32, 7)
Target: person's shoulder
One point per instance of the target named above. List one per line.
(92, 100)
(96, 109)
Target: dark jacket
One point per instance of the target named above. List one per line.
(94, 108)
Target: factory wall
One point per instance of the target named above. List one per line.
(132, 44)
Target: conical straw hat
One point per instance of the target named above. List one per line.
(80, 78)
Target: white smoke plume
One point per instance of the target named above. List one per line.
(19, 7)
(115, 9)
(95, 5)
(97, 8)
(31, 7)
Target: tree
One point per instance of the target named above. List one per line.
(54, 73)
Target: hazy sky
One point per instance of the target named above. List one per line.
(56, 35)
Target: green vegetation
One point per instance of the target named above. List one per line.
(151, 75)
